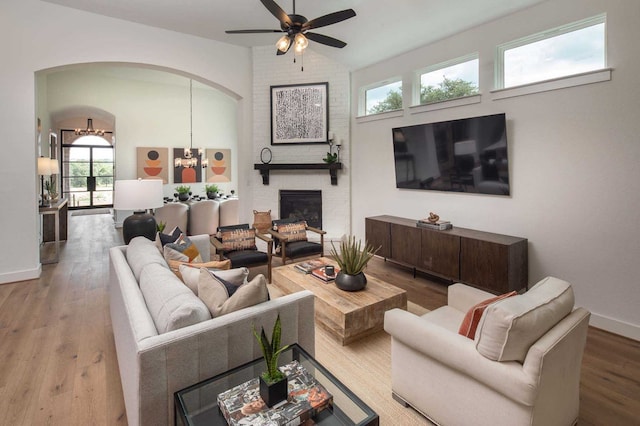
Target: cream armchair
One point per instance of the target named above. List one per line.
(522, 368)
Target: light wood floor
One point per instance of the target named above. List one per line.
(58, 364)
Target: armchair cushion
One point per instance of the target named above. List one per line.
(296, 231)
(510, 326)
(473, 315)
(237, 238)
(215, 294)
(247, 258)
(302, 248)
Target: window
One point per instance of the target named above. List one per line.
(387, 97)
(568, 50)
(449, 80)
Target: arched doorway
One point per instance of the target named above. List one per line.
(88, 168)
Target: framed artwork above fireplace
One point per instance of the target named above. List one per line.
(299, 114)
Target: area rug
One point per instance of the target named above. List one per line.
(90, 212)
(364, 367)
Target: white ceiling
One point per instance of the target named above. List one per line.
(381, 29)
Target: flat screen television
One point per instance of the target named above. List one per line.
(465, 155)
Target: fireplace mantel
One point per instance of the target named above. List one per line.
(266, 168)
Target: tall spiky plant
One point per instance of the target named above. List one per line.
(353, 257)
(271, 351)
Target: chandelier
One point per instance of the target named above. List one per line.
(189, 159)
(89, 131)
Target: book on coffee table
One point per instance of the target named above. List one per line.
(242, 405)
(308, 266)
(322, 274)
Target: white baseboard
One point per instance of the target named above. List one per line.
(611, 325)
(29, 274)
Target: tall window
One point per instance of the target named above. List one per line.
(386, 97)
(568, 50)
(449, 80)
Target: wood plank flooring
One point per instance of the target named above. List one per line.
(58, 364)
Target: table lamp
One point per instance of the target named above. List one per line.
(138, 195)
(44, 169)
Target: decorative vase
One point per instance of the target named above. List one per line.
(351, 282)
(183, 197)
(212, 195)
(275, 392)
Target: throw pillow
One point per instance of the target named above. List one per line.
(183, 249)
(215, 296)
(163, 238)
(191, 276)
(238, 239)
(294, 231)
(175, 265)
(472, 318)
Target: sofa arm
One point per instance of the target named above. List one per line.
(457, 352)
(462, 297)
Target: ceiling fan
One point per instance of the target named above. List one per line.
(296, 28)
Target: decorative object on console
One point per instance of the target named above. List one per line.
(184, 192)
(352, 259)
(433, 218)
(211, 190)
(299, 114)
(273, 383)
(153, 163)
(138, 195)
(51, 185)
(434, 222)
(266, 155)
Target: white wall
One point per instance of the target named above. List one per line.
(151, 109)
(271, 70)
(574, 160)
(37, 35)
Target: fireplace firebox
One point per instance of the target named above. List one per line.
(303, 205)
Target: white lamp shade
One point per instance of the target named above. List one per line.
(44, 166)
(139, 194)
(55, 167)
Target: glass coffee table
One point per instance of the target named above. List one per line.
(197, 404)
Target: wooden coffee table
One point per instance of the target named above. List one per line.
(347, 316)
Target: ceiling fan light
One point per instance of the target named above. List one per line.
(283, 44)
(301, 42)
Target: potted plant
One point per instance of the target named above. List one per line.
(351, 260)
(211, 191)
(50, 186)
(184, 192)
(273, 383)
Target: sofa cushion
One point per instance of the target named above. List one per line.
(472, 317)
(215, 295)
(510, 326)
(174, 265)
(191, 275)
(142, 252)
(182, 249)
(170, 303)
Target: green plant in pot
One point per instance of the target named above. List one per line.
(352, 259)
(273, 383)
(50, 186)
(211, 191)
(184, 192)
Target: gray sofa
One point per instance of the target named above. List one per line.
(154, 365)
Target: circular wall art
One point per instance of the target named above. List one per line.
(265, 155)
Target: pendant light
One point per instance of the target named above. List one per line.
(188, 159)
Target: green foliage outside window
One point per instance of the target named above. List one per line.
(447, 89)
(392, 102)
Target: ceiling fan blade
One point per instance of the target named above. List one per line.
(277, 11)
(251, 31)
(323, 39)
(329, 19)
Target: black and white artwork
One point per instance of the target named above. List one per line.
(299, 114)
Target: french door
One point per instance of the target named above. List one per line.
(87, 172)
